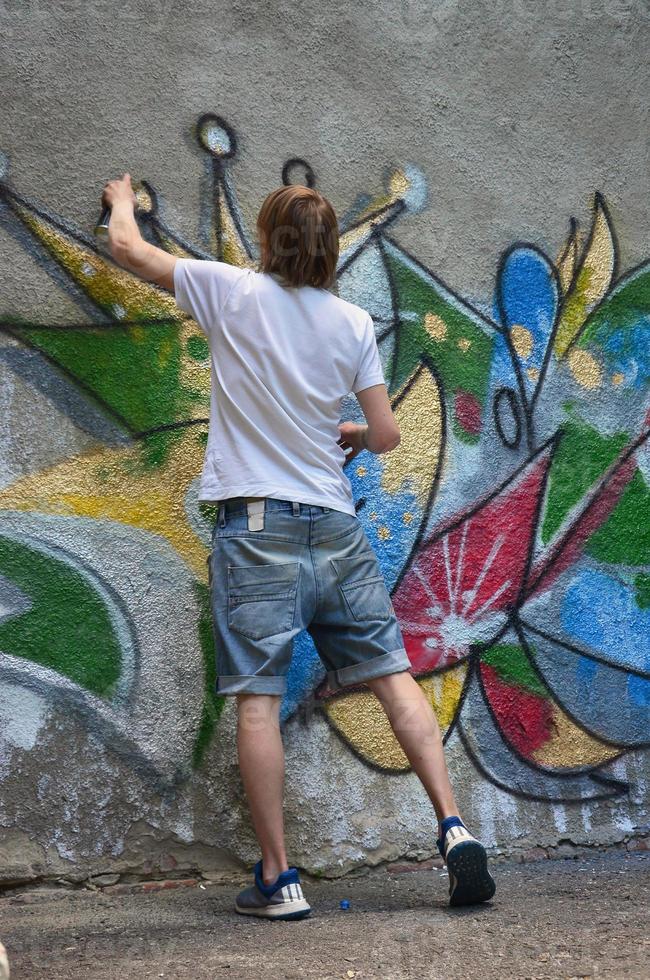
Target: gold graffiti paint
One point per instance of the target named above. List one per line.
(362, 722)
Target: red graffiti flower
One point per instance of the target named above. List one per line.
(461, 584)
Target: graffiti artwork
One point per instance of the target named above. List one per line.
(512, 523)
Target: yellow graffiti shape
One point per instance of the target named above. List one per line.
(568, 260)
(418, 411)
(113, 289)
(435, 327)
(570, 746)
(379, 212)
(116, 484)
(522, 341)
(591, 280)
(361, 721)
(585, 368)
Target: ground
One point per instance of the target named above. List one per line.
(549, 919)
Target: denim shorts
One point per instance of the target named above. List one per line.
(312, 568)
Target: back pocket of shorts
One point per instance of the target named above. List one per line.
(363, 587)
(262, 598)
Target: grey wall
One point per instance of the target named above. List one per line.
(113, 750)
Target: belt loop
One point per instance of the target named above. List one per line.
(222, 515)
(296, 508)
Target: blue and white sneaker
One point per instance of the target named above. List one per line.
(4, 964)
(469, 879)
(282, 899)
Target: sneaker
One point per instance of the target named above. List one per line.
(282, 899)
(469, 879)
(4, 964)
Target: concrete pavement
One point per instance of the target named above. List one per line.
(584, 917)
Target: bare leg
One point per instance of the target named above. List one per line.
(416, 728)
(261, 763)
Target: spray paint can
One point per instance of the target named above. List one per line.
(101, 228)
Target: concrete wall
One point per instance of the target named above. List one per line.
(490, 165)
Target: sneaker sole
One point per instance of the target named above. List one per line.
(468, 864)
(297, 910)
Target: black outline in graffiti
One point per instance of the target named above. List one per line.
(221, 184)
(593, 772)
(510, 396)
(616, 787)
(505, 332)
(292, 164)
(515, 624)
(523, 413)
(571, 244)
(522, 627)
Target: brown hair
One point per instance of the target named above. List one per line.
(299, 237)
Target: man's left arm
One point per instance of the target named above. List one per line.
(125, 243)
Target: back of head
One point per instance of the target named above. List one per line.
(299, 237)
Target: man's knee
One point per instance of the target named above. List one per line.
(401, 697)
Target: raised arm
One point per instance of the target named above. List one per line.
(125, 243)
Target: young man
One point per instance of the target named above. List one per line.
(288, 550)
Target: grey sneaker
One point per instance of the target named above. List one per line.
(282, 899)
(4, 964)
(470, 882)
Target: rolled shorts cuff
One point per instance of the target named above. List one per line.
(251, 684)
(385, 663)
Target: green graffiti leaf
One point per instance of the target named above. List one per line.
(461, 349)
(625, 537)
(68, 627)
(625, 305)
(582, 457)
(133, 371)
(198, 348)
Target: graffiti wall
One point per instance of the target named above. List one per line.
(512, 525)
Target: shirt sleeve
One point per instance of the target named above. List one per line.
(202, 287)
(369, 371)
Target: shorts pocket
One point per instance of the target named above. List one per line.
(262, 598)
(363, 587)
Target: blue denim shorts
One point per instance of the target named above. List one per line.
(312, 568)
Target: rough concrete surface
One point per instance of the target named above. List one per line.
(549, 919)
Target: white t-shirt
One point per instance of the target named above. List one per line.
(282, 360)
